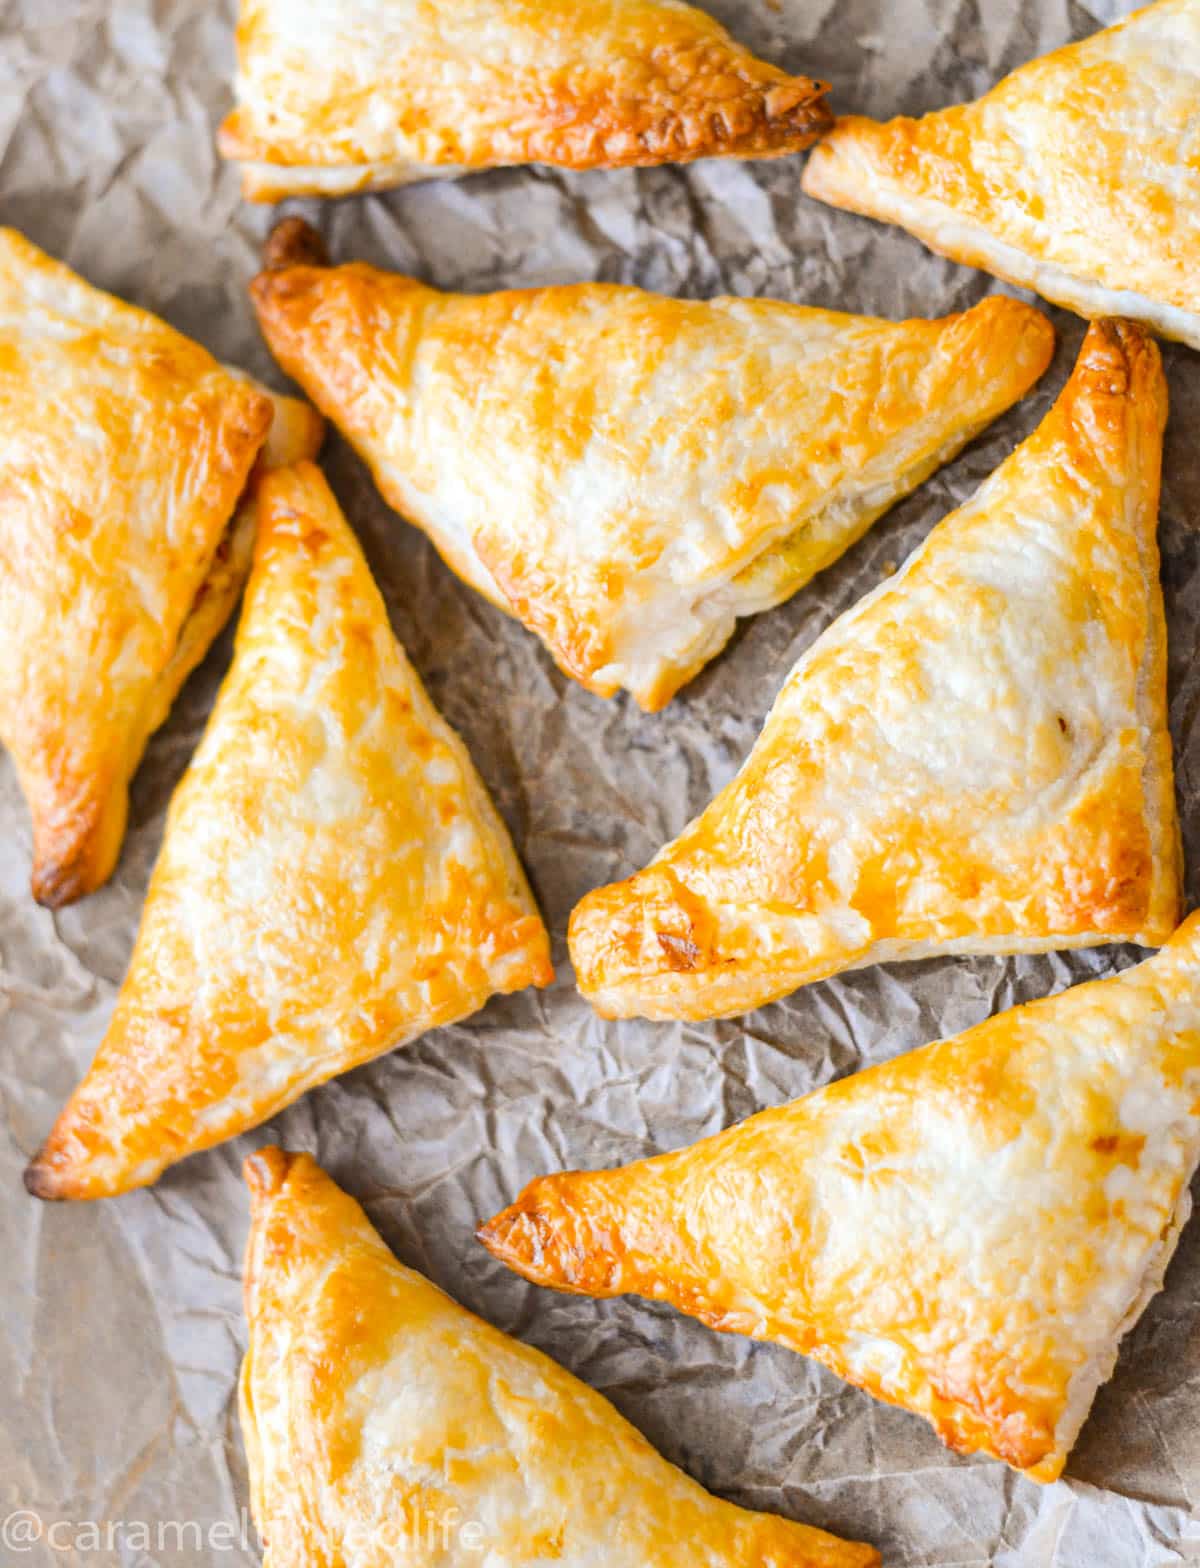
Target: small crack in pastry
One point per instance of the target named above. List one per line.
(124, 450)
(351, 95)
(385, 1424)
(966, 1231)
(627, 473)
(974, 759)
(333, 881)
(1077, 176)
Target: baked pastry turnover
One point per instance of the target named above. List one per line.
(974, 759)
(1077, 176)
(628, 474)
(384, 1424)
(966, 1231)
(355, 95)
(333, 880)
(124, 449)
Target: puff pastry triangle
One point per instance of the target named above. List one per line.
(355, 95)
(124, 449)
(333, 880)
(1077, 176)
(627, 473)
(385, 1424)
(974, 759)
(966, 1231)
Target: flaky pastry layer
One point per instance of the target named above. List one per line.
(966, 1231)
(347, 95)
(333, 881)
(384, 1424)
(974, 759)
(1077, 176)
(124, 448)
(629, 474)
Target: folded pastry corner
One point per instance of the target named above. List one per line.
(362, 96)
(973, 759)
(383, 1421)
(333, 881)
(124, 449)
(966, 1231)
(642, 471)
(1076, 176)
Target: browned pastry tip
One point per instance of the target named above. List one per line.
(793, 115)
(547, 1237)
(58, 883)
(59, 1171)
(75, 855)
(293, 242)
(1114, 345)
(1121, 349)
(509, 1236)
(1119, 372)
(41, 1181)
(294, 262)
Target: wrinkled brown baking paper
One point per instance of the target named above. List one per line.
(121, 1328)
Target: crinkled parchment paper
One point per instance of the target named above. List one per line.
(121, 1326)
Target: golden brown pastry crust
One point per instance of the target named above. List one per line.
(333, 881)
(295, 436)
(974, 759)
(382, 1421)
(124, 448)
(1077, 175)
(966, 1231)
(362, 94)
(641, 470)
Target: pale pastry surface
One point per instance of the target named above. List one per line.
(334, 879)
(966, 1231)
(1077, 176)
(382, 1422)
(338, 95)
(974, 759)
(628, 473)
(124, 448)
